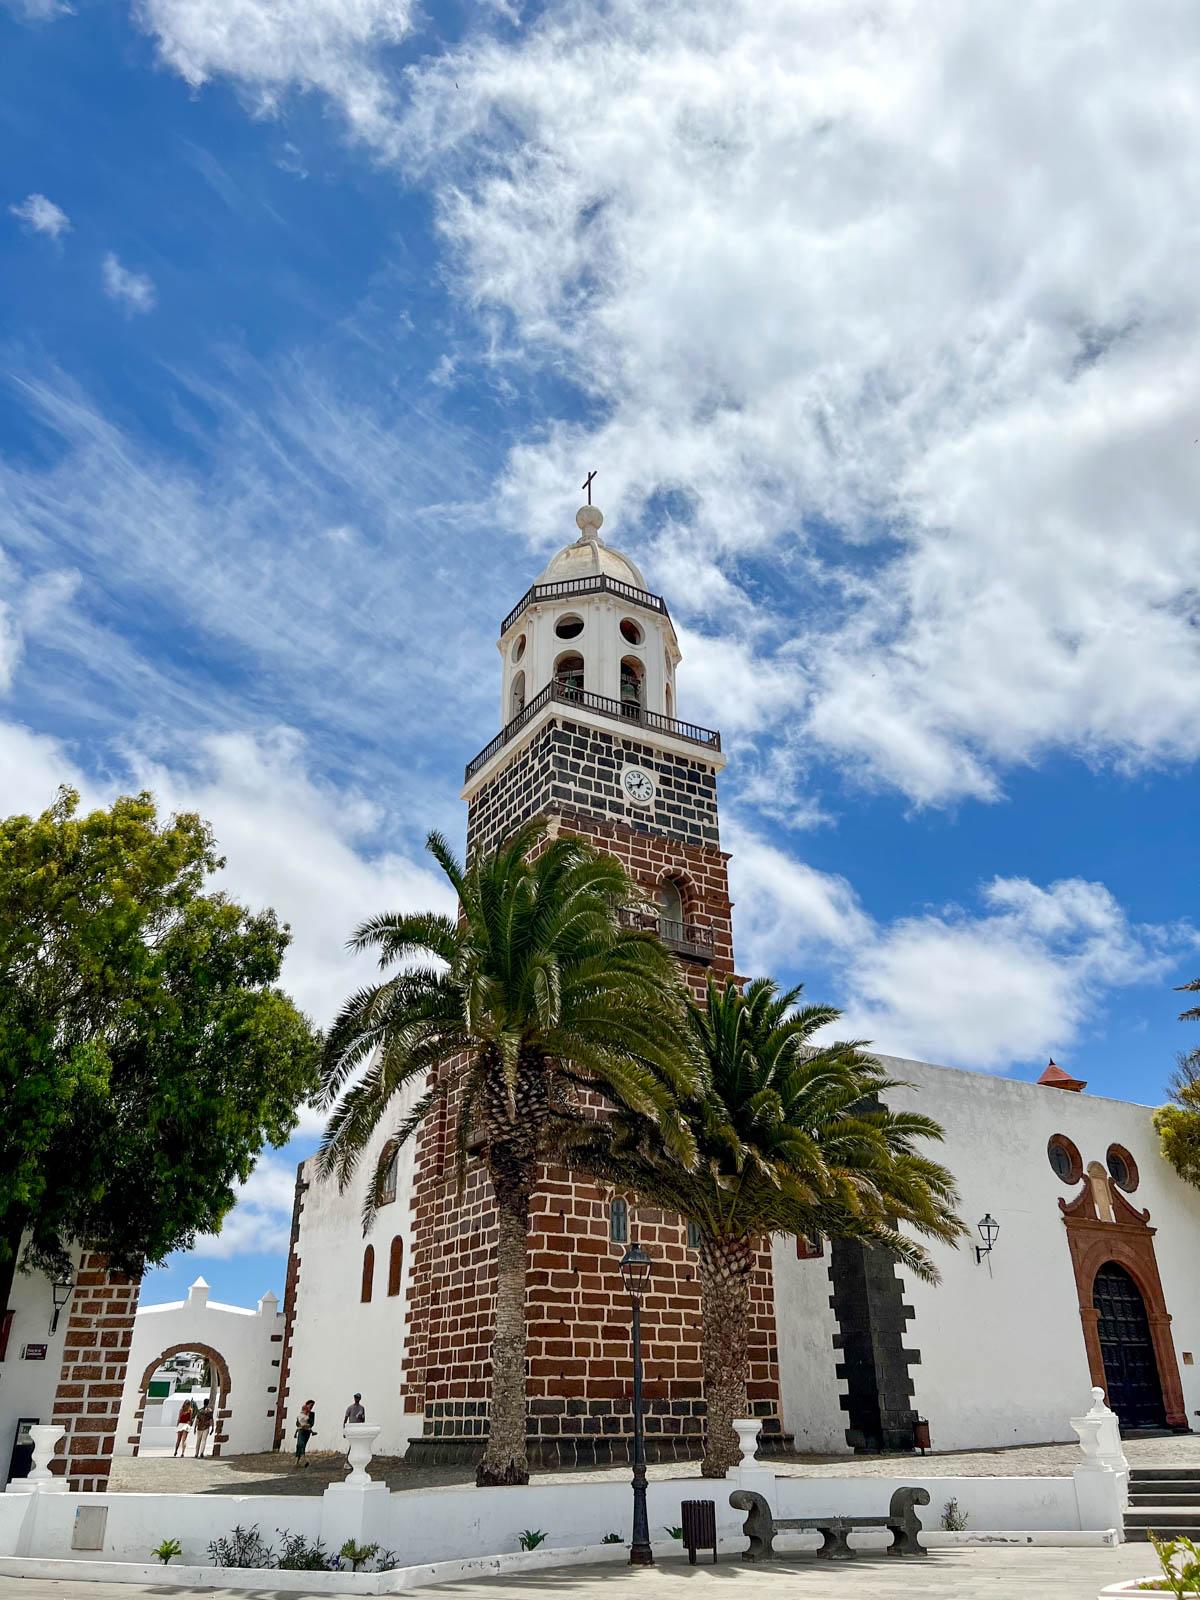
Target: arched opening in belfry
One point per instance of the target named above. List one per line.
(517, 699)
(568, 674)
(633, 682)
(669, 700)
(670, 910)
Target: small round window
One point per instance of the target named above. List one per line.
(1065, 1159)
(518, 649)
(630, 630)
(569, 627)
(1122, 1168)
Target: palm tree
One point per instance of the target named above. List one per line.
(791, 1138)
(537, 992)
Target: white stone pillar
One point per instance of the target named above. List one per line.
(1098, 1488)
(356, 1508)
(750, 1473)
(41, 1480)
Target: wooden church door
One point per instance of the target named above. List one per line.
(1130, 1368)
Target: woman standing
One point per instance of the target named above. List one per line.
(183, 1427)
(306, 1426)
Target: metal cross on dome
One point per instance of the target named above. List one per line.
(587, 484)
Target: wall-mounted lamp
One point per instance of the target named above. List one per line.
(989, 1229)
(62, 1287)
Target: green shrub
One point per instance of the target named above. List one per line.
(531, 1538)
(297, 1555)
(953, 1520)
(612, 1538)
(356, 1554)
(245, 1547)
(676, 1533)
(167, 1549)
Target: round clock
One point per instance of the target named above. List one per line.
(638, 785)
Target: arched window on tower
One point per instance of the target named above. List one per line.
(669, 699)
(395, 1265)
(568, 675)
(517, 701)
(670, 911)
(633, 682)
(368, 1274)
(618, 1221)
(389, 1170)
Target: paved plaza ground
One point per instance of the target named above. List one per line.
(944, 1575)
(273, 1473)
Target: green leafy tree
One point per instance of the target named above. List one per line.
(537, 992)
(791, 1139)
(146, 1055)
(1178, 1123)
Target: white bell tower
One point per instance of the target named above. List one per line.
(613, 638)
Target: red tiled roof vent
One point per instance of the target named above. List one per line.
(1055, 1078)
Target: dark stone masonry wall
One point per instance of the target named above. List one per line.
(570, 765)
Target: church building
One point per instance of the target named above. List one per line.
(1083, 1269)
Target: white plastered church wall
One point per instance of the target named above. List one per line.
(28, 1387)
(248, 1339)
(1002, 1355)
(339, 1343)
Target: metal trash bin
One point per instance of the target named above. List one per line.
(699, 1527)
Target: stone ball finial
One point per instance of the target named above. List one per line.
(589, 520)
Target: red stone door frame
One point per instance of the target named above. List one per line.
(221, 1388)
(1129, 1241)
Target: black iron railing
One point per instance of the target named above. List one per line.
(564, 692)
(687, 939)
(597, 583)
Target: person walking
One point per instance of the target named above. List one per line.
(306, 1426)
(204, 1422)
(356, 1412)
(183, 1427)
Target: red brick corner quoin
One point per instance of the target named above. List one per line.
(92, 1377)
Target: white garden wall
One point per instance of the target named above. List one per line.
(250, 1340)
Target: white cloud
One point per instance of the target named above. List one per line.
(260, 1222)
(38, 10)
(897, 300)
(40, 215)
(32, 766)
(133, 290)
(328, 46)
(1011, 982)
(298, 844)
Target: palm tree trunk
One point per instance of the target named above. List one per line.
(725, 1267)
(504, 1460)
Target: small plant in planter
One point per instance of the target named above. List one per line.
(356, 1554)
(531, 1538)
(244, 1547)
(953, 1520)
(1180, 1563)
(297, 1555)
(612, 1538)
(167, 1549)
(676, 1533)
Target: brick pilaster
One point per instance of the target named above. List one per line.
(92, 1377)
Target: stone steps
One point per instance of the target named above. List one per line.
(1165, 1501)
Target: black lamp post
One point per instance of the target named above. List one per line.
(989, 1230)
(635, 1269)
(62, 1287)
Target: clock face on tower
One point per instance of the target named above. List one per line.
(638, 785)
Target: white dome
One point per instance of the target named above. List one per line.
(590, 557)
(587, 558)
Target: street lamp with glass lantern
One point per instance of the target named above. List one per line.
(635, 1269)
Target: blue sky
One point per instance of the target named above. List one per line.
(881, 331)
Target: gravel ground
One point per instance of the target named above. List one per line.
(271, 1473)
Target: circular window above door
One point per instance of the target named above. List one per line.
(1064, 1158)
